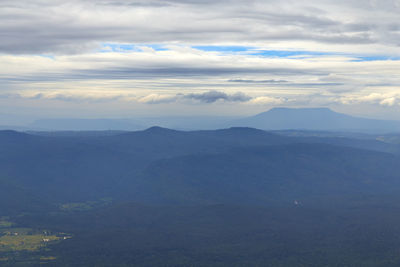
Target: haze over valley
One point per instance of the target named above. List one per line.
(205, 188)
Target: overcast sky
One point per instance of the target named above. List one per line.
(127, 58)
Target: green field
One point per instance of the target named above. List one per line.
(17, 239)
(4, 223)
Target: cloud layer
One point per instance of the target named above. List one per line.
(248, 55)
(38, 26)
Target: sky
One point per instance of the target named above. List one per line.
(123, 59)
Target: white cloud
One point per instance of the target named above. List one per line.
(389, 101)
(157, 99)
(266, 100)
(385, 99)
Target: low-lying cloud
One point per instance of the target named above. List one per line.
(388, 99)
(213, 96)
(207, 97)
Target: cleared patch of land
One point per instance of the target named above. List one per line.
(17, 239)
(4, 223)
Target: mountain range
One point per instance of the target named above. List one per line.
(159, 165)
(321, 119)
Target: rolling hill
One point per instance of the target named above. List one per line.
(159, 165)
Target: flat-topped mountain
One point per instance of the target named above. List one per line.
(315, 119)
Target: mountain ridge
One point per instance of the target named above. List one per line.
(278, 118)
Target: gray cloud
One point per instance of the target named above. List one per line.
(73, 97)
(188, 71)
(9, 96)
(75, 26)
(286, 83)
(257, 81)
(213, 96)
(131, 73)
(206, 97)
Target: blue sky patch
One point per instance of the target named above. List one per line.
(283, 53)
(111, 47)
(374, 58)
(245, 50)
(214, 48)
(248, 50)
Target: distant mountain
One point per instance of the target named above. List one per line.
(69, 124)
(131, 124)
(14, 127)
(315, 119)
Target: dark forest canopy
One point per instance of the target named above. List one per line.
(222, 197)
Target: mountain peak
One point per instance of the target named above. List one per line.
(158, 129)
